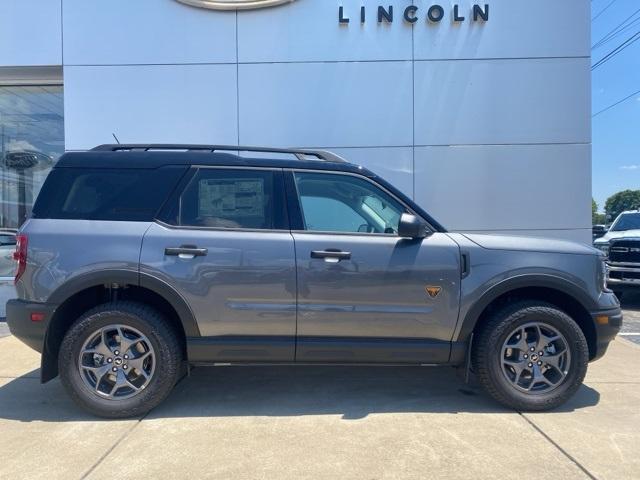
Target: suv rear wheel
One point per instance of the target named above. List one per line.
(530, 356)
(120, 359)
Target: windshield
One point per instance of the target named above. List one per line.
(627, 221)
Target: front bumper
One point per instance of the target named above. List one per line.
(22, 327)
(623, 275)
(608, 323)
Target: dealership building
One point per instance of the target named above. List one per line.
(480, 111)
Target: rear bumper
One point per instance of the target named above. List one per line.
(22, 327)
(605, 330)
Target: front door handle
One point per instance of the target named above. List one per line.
(331, 255)
(186, 251)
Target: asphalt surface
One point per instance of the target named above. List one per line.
(631, 310)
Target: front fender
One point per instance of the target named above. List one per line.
(470, 313)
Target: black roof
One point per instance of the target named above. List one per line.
(158, 155)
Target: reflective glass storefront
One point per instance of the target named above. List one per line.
(31, 141)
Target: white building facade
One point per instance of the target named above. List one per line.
(478, 110)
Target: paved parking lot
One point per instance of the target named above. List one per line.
(631, 327)
(323, 422)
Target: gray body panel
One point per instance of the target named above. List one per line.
(62, 252)
(530, 244)
(246, 294)
(525, 261)
(259, 296)
(379, 293)
(244, 287)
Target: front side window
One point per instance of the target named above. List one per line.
(346, 203)
(230, 198)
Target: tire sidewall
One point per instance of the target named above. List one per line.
(161, 383)
(576, 343)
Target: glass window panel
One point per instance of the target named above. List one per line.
(31, 141)
(229, 199)
(346, 203)
(119, 194)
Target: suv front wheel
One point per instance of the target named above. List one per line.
(120, 359)
(530, 356)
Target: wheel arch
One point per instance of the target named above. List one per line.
(86, 291)
(555, 290)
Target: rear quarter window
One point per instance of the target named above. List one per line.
(124, 194)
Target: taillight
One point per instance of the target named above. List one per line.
(20, 255)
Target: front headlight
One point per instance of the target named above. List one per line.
(603, 275)
(603, 247)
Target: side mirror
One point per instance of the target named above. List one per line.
(411, 226)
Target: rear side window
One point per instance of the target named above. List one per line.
(127, 194)
(231, 198)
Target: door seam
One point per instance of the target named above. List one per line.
(295, 264)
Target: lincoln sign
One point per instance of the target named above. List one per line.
(433, 14)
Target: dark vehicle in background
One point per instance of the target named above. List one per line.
(621, 245)
(598, 231)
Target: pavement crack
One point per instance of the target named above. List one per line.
(112, 447)
(127, 432)
(562, 450)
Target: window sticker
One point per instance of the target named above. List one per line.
(231, 198)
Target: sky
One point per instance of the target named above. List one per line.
(616, 132)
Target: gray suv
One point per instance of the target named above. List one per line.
(140, 260)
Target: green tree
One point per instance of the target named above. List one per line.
(621, 201)
(596, 218)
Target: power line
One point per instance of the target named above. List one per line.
(616, 30)
(604, 9)
(628, 42)
(617, 34)
(614, 104)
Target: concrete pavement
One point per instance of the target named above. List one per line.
(323, 422)
(631, 307)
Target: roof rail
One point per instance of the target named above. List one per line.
(299, 153)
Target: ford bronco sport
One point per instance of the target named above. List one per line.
(142, 259)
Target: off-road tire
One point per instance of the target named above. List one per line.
(164, 339)
(487, 350)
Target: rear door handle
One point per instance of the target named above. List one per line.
(186, 251)
(331, 255)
